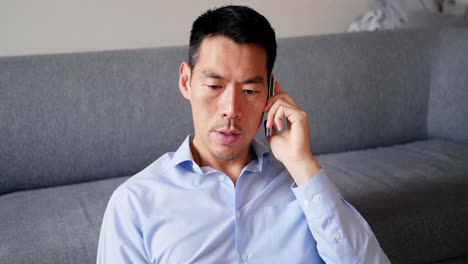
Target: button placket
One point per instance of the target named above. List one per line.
(222, 177)
(238, 214)
(316, 198)
(337, 236)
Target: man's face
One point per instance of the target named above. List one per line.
(227, 90)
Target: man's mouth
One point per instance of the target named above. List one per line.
(228, 136)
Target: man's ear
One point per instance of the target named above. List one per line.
(184, 80)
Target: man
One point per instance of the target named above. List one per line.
(222, 197)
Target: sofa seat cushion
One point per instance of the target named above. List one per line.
(414, 196)
(54, 225)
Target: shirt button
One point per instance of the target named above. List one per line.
(244, 257)
(222, 177)
(316, 198)
(237, 213)
(337, 236)
(306, 203)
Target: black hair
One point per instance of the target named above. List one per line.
(242, 24)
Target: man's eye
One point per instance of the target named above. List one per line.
(250, 91)
(213, 87)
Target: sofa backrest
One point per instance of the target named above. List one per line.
(361, 90)
(448, 103)
(73, 118)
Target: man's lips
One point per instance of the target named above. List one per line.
(228, 136)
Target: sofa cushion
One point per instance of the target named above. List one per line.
(54, 225)
(73, 118)
(361, 90)
(448, 101)
(414, 196)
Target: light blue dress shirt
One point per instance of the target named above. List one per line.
(177, 212)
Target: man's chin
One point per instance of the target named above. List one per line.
(222, 151)
(225, 153)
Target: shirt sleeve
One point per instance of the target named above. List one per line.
(120, 239)
(342, 234)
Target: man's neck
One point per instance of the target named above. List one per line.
(232, 168)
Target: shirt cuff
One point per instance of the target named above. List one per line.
(318, 197)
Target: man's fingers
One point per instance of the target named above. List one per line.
(282, 95)
(278, 89)
(282, 110)
(273, 131)
(273, 112)
(278, 112)
(279, 116)
(279, 107)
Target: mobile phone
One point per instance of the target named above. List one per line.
(271, 92)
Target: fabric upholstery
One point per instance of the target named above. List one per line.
(387, 113)
(448, 103)
(54, 225)
(417, 189)
(360, 90)
(79, 117)
(413, 196)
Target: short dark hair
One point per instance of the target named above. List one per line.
(242, 24)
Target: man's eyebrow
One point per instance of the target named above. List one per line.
(213, 75)
(256, 79)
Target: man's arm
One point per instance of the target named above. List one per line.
(120, 239)
(342, 234)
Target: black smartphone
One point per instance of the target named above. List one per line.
(271, 92)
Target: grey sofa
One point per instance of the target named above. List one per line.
(389, 123)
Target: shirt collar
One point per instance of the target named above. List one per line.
(183, 156)
(261, 152)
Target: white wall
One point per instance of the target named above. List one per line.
(58, 26)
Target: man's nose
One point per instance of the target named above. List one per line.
(231, 103)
